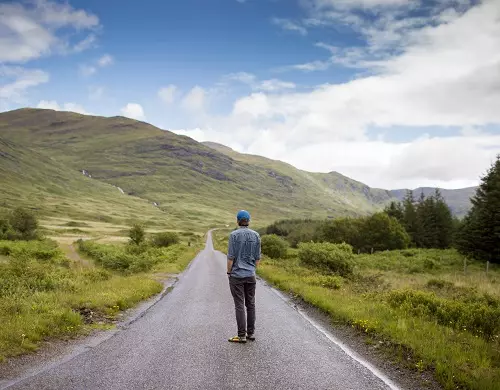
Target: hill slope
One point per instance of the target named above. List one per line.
(191, 182)
(32, 179)
(458, 200)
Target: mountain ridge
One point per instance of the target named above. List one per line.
(188, 180)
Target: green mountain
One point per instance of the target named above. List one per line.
(163, 175)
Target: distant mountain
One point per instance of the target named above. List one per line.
(199, 184)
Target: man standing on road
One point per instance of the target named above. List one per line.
(243, 256)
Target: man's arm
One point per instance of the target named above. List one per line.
(230, 254)
(258, 254)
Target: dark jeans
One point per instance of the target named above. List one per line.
(243, 292)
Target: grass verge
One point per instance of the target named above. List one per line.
(44, 295)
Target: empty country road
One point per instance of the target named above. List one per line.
(181, 343)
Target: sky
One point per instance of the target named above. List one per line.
(393, 93)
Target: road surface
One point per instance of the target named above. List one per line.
(181, 343)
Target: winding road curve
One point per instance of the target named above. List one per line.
(181, 343)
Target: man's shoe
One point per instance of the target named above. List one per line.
(250, 336)
(238, 339)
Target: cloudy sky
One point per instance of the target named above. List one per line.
(394, 93)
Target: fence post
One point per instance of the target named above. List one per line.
(487, 267)
(372, 251)
(465, 265)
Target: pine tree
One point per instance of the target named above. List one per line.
(445, 225)
(479, 236)
(395, 210)
(411, 221)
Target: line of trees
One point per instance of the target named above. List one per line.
(428, 221)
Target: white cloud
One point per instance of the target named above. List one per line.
(85, 43)
(134, 111)
(272, 85)
(447, 74)
(18, 80)
(30, 30)
(167, 94)
(365, 4)
(105, 60)
(309, 66)
(102, 62)
(286, 24)
(53, 105)
(195, 100)
(87, 70)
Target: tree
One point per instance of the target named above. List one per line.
(480, 232)
(395, 210)
(381, 232)
(137, 234)
(445, 224)
(412, 223)
(24, 223)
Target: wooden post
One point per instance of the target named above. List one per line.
(487, 267)
(372, 251)
(465, 265)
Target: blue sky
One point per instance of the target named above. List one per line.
(395, 93)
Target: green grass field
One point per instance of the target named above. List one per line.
(418, 304)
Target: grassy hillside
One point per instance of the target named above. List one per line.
(51, 188)
(188, 180)
(352, 191)
(194, 184)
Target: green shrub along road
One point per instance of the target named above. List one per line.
(418, 304)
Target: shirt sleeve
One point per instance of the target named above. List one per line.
(257, 253)
(230, 248)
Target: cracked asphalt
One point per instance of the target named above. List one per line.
(181, 343)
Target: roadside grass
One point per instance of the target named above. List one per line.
(44, 295)
(418, 305)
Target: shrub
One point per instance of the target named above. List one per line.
(137, 234)
(21, 224)
(273, 246)
(475, 317)
(6, 230)
(165, 239)
(336, 258)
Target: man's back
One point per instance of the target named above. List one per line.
(244, 250)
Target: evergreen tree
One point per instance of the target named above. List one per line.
(411, 221)
(480, 234)
(427, 221)
(445, 225)
(395, 210)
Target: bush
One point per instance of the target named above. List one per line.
(137, 234)
(6, 230)
(336, 258)
(476, 317)
(24, 222)
(273, 246)
(164, 239)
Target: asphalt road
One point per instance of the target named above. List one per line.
(181, 343)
